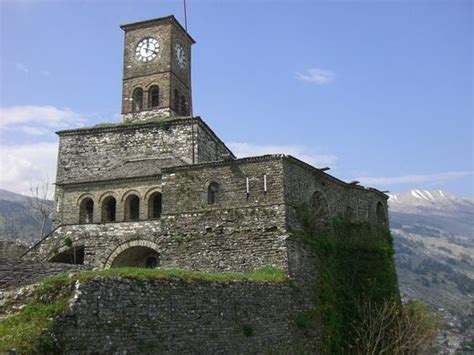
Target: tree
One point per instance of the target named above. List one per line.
(41, 208)
(390, 328)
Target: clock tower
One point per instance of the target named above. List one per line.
(156, 70)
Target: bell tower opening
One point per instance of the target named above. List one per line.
(157, 66)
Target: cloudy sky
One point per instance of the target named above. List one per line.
(380, 91)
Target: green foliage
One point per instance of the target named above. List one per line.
(248, 330)
(67, 242)
(178, 238)
(22, 331)
(356, 261)
(303, 320)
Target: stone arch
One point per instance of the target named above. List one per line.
(213, 192)
(109, 209)
(137, 99)
(105, 195)
(132, 207)
(380, 213)
(135, 252)
(83, 196)
(127, 193)
(153, 93)
(69, 255)
(155, 205)
(151, 191)
(320, 215)
(86, 210)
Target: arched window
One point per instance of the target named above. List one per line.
(320, 215)
(109, 206)
(137, 100)
(176, 100)
(132, 208)
(380, 212)
(183, 109)
(212, 193)
(155, 205)
(86, 211)
(153, 96)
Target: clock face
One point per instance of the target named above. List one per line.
(180, 55)
(147, 49)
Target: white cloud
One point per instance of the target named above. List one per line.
(22, 165)
(316, 76)
(22, 67)
(36, 119)
(45, 72)
(413, 179)
(306, 154)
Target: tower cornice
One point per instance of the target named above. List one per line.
(156, 21)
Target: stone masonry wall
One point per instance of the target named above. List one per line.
(179, 317)
(72, 196)
(302, 180)
(209, 148)
(240, 239)
(17, 273)
(115, 152)
(185, 188)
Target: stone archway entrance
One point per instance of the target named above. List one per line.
(135, 253)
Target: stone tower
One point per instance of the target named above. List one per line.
(156, 70)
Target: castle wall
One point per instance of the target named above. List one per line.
(209, 147)
(174, 316)
(122, 151)
(71, 197)
(240, 239)
(18, 273)
(186, 187)
(344, 200)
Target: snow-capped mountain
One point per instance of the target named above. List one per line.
(437, 209)
(435, 200)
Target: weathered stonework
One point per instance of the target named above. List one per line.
(173, 316)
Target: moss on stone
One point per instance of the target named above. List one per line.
(356, 263)
(165, 123)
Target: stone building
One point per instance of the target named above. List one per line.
(161, 188)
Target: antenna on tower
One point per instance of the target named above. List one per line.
(185, 17)
(189, 62)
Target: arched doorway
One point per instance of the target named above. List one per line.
(74, 255)
(135, 253)
(137, 257)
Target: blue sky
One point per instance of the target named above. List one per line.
(381, 91)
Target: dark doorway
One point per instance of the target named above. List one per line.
(74, 255)
(137, 257)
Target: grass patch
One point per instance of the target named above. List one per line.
(27, 330)
(264, 274)
(22, 331)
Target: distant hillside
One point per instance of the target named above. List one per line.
(434, 242)
(16, 218)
